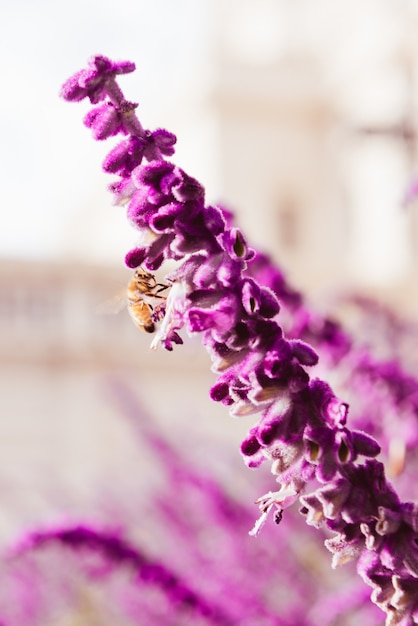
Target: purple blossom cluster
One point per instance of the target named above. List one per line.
(303, 427)
(116, 552)
(92, 572)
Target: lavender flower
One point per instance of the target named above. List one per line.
(302, 429)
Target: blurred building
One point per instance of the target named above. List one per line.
(300, 117)
(316, 108)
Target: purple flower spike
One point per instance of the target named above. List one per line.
(214, 290)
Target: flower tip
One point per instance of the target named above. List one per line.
(304, 353)
(134, 258)
(71, 90)
(250, 446)
(103, 64)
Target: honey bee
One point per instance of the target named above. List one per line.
(142, 290)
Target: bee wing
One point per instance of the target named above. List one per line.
(113, 305)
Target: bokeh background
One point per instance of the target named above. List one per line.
(300, 116)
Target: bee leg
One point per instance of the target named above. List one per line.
(161, 289)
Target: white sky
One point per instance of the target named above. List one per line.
(50, 166)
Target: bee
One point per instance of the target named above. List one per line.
(143, 289)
